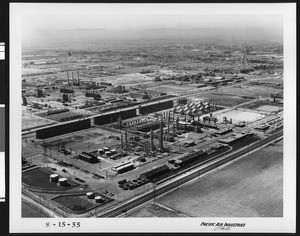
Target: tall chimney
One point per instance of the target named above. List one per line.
(168, 120)
(68, 76)
(151, 140)
(161, 141)
(126, 139)
(78, 77)
(120, 122)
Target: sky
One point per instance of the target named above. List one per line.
(37, 19)
(34, 23)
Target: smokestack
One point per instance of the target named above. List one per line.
(168, 120)
(161, 141)
(78, 77)
(24, 100)
(68, 76)
(126, 139)
(72, 78)
(145, 147)
(122, 145)
(173, 130)
(151, 140)
(120, 122)
(177, 123)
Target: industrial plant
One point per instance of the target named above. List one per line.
(106, 130)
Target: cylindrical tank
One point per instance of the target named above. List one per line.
(89, 195)
(113, 151)
(107, 153)
(98, 199)
(100, 150)
(54, 178)
(63, 181)
(138, 112)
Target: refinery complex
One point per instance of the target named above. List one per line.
(107, 130)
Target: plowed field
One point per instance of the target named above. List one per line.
(250, 187)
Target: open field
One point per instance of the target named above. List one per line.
(237, 116)
(30, 211)
(249, 91)
(125, 80)
(40, 178)
(78, 203)
(61, 116)
(260, 103)
(249, 187)
(156, 210)
(85, 140)
(269, 108)
(228, 100)
(32, 121)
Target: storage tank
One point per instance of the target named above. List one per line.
(63, 181)
(54, 178)
(100, 150)
(98, 199)
(113, 151)
(107, 153)
(89, 195)
(105, 149)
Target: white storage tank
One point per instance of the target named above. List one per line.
(63, 181)
(113, 151)
(98, 199)
(54, 178)
(100, 150)
(89, 195)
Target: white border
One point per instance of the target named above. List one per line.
(285, 224)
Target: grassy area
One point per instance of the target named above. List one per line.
(40, 178)
(78, 203)
(30, 211)
(75, 203)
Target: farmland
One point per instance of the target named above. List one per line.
(250, 187)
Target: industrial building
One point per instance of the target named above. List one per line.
(88, 157)
(124, 167)
(155, 172)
